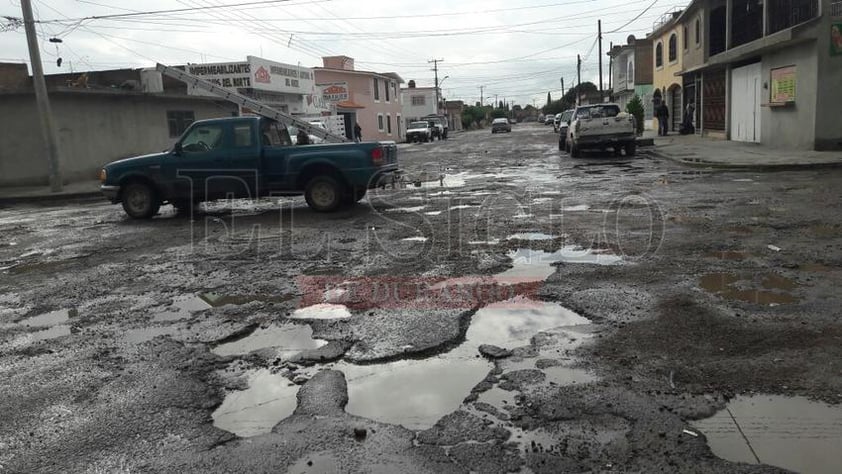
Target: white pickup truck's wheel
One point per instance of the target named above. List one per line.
(324, 193)
(140, 201)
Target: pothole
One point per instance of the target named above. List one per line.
(323, 311)
(530, 236)
(536, 265)
(287, 340)
(268, 399)
(182, 307)
(775, 289)
(50, 319)
(512, 323)
(789, 432)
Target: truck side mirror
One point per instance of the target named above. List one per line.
(177, 149)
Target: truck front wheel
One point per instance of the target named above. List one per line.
(140, 201)
(324, 193)
(631, 149)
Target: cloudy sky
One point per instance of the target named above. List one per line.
(517, 50)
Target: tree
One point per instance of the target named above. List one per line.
(473, 116)
(498, 113)
(635, 108)
(549, 99)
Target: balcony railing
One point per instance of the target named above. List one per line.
(785, 14)
(836, 9)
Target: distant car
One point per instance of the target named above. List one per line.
(563, 126)
(556, 121)
(419, 131)
(501, 125)
(549, 119)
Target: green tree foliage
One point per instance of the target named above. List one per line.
(499, 113)
(635, 108)
(549, 100)
(473, 115)
(569, 99)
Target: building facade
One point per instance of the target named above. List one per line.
(454, 109)
(765, 71)
(418, 102)
(631, 74)
(97, 123)
(668, 60)
(370, 99)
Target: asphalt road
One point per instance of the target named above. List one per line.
(618, 300)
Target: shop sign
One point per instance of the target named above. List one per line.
(783, 85)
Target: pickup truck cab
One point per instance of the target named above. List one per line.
(419, 131)
(601, 126)
(440, 125)
(247, 157)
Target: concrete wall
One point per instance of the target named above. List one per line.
(663, 77)
(93, 129)
(643, 61)
(792, 127)
(361, 90)
(412, 112)
(695, 54)
(829, 108)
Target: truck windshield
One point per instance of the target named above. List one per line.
(418, 125)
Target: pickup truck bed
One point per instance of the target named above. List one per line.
(247, 157)
(601, 126)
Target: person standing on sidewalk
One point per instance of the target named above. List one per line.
(358, 132)
(663, 119)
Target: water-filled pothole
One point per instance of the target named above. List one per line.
(536, 265)
(530, 236)
(789, 432)
(50, 319)
(182, 307)
(323, 310)
(287, 340)
(776, 290)
(512, 323)
(268, 399)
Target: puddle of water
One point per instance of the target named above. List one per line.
(406, 209)
(289, 339)
(322, 311)
(182, 307)
(414, 393)
(415, 239)
(530, 236)
(523, 216)
(498, 398)
(791, 433)
(433, 213)
(484, 242)
(569, 376)
(50, 319)
(536, 265)
(52, 333)
(318, 463)
(446, 181)
(268, 399)
(462, 206)
(723, 284)
(542, 200)
(512, 323)
(815, 267)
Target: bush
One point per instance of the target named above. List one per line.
(635, 108)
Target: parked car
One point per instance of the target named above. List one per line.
(549, 119)
(601, 127)
(441, 125)
(419, 131)
(501, 125)
(563, 126)
(556, 121)
(246, 157)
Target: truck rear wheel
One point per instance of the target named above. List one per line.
(324, 193)
(140, 200)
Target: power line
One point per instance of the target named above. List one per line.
(158, 12)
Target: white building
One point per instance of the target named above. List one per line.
(286, 87)
(418, 102)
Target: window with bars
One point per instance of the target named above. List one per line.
(418, 100)
(659, 55)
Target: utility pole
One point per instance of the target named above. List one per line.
(610, 69)
(562, 87)
(43, 101)
(599, 38)
(578, 77)
(436, 69)
(481, 97)
(495, 101)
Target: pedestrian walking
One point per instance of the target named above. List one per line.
(358, 132)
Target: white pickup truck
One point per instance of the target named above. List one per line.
(601, 127)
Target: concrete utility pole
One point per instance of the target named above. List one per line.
(599, 39)
(562, 87)
(43, 101)
(578, 77)
(481, 97)
(436, 69)
(610, 69)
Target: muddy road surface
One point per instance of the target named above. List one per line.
(507, 309)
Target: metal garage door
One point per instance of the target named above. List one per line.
(746, 89)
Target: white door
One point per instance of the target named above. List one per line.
(746, 96)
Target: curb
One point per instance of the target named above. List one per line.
(747, 167)
(46, 198)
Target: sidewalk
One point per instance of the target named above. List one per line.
(693, 150)
(23, 194)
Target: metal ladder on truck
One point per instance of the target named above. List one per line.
(257, 107)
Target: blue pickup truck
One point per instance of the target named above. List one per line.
(247, 157)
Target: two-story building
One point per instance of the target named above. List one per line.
(418, 101)
(668, 58)
(631, 73)
(371, 99)
(765, 71)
